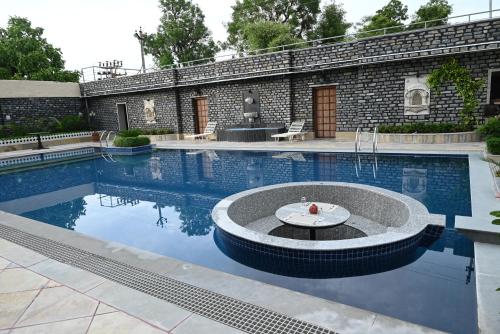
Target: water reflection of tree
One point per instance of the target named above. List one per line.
(62, 215)
(195, 221)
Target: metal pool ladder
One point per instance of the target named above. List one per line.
(359, 139)
(110, 135)
(106, 156)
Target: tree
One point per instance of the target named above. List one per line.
(300, 15)
(331, 23)
(26, 55)
(436, 11)
(268, 34)
(181, 36)
(390, 16)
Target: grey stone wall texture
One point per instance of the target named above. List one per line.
(369, 76)
(23, 110)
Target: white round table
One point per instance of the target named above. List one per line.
(297, 215)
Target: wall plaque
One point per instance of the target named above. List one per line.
(417, 96)
(149, 111)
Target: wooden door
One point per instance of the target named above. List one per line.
(325, 106)
(201, 110)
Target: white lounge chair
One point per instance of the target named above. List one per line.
(209, 129)
(295, 130)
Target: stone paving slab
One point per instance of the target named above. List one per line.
(199, 324)
(487, 286)
(331, 145)
(33, 303)
(156, 311)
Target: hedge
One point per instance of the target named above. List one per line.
(131, 141)
(130, 133)
(490, 129)
(493, 145)
(137, 132)
(421, 127)
(157, 131)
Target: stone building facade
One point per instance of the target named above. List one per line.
(368, 75)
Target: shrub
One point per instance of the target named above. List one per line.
(72, 123)
(130, 133)
(131, 141)
(493, 145)
(421, 127)
(157, 131)
(495, 213)
(490, 129)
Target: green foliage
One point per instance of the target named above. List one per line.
(157, 131)
(131, 141)
(331, 23)
(436, 11)
(70, 123)
(26, 55)
(300, 15)
(493, 145)
(466, 86)
(496, 222)
(268, 34)
(495, 213)
(491, 128)
(421, 127)
(138, 132)
(130, 133)
(182, 35)
(390, 16)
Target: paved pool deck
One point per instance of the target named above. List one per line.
(327, 145)
(89, 302)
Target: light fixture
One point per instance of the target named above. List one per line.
(249, 100)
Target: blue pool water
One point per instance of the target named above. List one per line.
(161, 202)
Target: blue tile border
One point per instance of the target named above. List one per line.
(128, 150)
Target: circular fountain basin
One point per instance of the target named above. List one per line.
(382, 222)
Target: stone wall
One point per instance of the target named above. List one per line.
(369, 75)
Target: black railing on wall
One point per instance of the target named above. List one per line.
(88, 74)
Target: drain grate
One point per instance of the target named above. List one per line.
(229, 311)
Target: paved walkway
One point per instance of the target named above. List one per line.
(308, 145)
(40, 295)
(321, 145)
(488, 286)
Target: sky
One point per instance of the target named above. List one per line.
(89, 31)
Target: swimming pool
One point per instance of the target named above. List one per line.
(161, 202)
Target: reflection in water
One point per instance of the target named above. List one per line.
(415, 183)
(161, 220)
(161, 202)
(63, 215)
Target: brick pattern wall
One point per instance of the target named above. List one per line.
(22, 109)
(106, 110)
(456, 39)
(369, 75)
